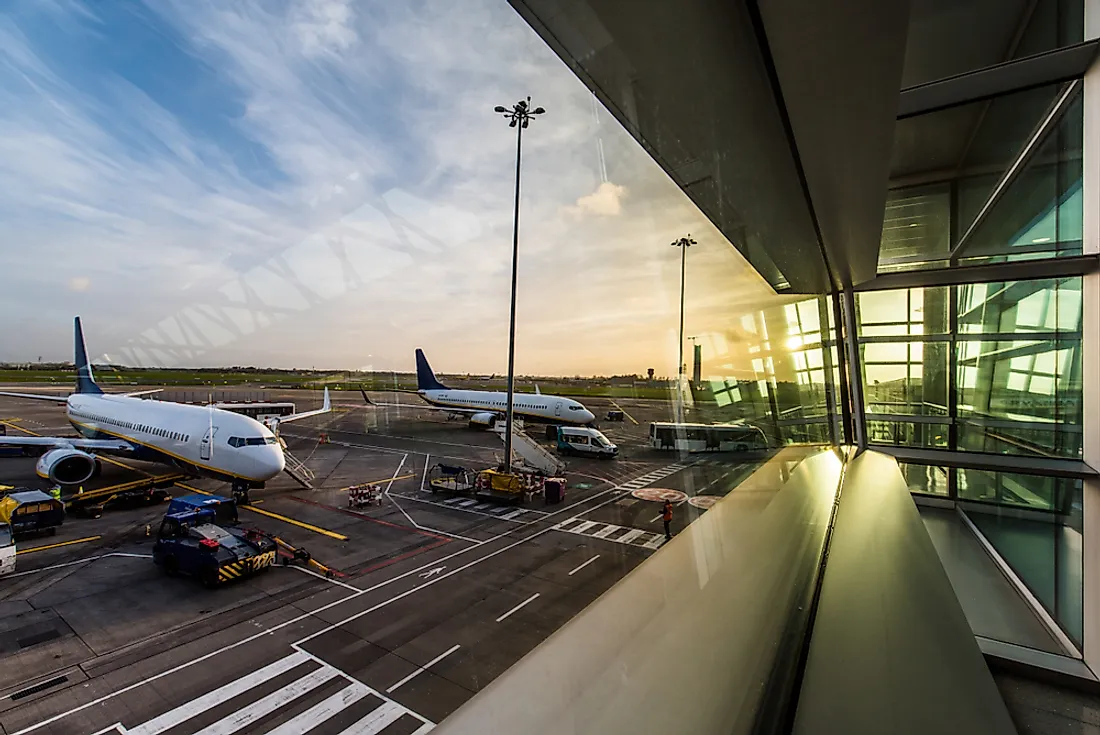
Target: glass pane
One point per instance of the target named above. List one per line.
(925, 479)
(904, 312)
(949, 38)
(965, 148)
(1039, 214)
(907, 434)
(916, 227)
(906, 377)
(1044, 548)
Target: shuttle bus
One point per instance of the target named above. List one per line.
(707, 437)
(259, 411)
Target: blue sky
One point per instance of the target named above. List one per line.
(323, 183)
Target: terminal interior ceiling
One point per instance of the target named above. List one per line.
(918, 178)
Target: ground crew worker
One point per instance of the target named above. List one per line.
(55, 492)
(666, 515)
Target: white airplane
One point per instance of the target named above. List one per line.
(199, 440)
(485, 408)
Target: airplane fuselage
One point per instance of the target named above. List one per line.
(199, 439)
(539, 407)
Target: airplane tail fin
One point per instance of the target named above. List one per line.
(425, 378)
(85, 381)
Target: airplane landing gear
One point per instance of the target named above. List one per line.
(240, 493)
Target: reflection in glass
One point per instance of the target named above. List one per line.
(908, 434)
(925, 479)
(1034, 523)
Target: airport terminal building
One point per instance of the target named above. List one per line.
(919, 181)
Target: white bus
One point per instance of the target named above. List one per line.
(261, 411)
(707, 437)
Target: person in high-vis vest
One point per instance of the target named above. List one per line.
(666, 515)
(55, 492)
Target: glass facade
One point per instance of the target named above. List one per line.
(949, 200)
(1007, 380)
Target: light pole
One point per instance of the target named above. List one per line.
(519, 117)
(683, 243)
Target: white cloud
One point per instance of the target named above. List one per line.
(606, 201)
(381, 216)
(80, 283)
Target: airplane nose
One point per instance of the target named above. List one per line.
(273, 461)
(589, 416)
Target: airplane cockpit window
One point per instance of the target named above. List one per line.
(574, 408)
(235, 441)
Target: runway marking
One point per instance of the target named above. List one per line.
(322, 711)
(78, 561)
(582, 566)
(521, 605)
(423, 668)
(58, 545)
(276, 516)
(506, 512)
(607, 531)
(653, 543)
(365, 517)
(289, 695)
(332, 626)
(409, 518)
(234, 688)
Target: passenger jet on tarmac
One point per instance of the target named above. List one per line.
(199, 440)
(484, 408)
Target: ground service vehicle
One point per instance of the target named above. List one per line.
(585, 441)
(707, 437)
(7, 550)
(199, 536)
(31, 511)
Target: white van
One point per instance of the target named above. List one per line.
(586, 441)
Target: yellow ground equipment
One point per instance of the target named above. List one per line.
(31, 511)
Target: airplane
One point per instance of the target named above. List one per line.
(486, 408)
(202, 441)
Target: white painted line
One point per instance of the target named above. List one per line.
(484, 506)
(379, 720)
(517, 607)
(425, 475)
(322, 711)
(630, 535)
(657, 517)
(584, 527)
(513, 514)
(355, 595)
(244, 717)
(79, 561)
(421, 670)
(654, 542)
(605, 532)
(467, 503)
(199, 705)
(452, 501)
(582, 566)
(422, 730)
(312, 573)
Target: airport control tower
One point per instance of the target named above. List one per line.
(697, 371)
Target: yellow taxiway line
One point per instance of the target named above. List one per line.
(58, 545)
(276, 516)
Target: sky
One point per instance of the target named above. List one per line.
(323, 183)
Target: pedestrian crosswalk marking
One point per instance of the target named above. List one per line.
(629, 536)
(307, 686)
(612, 532)
(513, 514)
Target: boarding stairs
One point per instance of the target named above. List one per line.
(297, 469)
(531, 454)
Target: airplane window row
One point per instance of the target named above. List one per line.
(499, 403)
(103, 420)
(252, 441)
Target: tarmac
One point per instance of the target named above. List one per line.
(430, 597)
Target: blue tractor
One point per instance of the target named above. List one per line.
(200, 537)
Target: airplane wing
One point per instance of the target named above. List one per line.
(37, 396)
(115, 445)
(429, 407)
(325, 408)
(137, 393)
